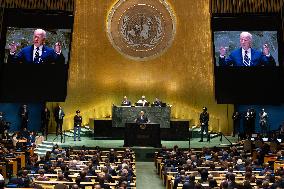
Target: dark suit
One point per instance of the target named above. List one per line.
(126, 103)
(249, 123)
(157, 103)
(25, 56)
(59, 115)
(204, 119)
(236, 119)
(257, 59)
(141, 119)
(77, 126)
(24, 113)
(45, 117)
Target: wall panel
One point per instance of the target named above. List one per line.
(99, 76)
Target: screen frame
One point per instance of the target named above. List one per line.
(44, 19)
(228, 81)
(248, 22)
(34, 82)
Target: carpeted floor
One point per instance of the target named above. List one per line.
(146, 177)
(90, 142)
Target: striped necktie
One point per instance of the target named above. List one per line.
(37, 58)
(246, 59)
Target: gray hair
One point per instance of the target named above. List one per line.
(246, 34)
(41, 31)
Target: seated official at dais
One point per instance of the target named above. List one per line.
(125, 102)
(142, 102)
(157, 102)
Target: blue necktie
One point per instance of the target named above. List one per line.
(246, 59)
(37, 58)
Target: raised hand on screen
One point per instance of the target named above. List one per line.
(222, 51)
(13, 47)
(265, 49)
(57, 47)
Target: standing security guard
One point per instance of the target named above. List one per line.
(204, 119)
(77, 125)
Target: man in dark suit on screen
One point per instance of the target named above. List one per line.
(246, 55)
(38, 53)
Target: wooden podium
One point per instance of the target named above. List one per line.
(147, 134)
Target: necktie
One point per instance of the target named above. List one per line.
(246, 59)
(37, 58)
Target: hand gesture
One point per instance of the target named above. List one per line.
(265, 49)
(13, 47)
(57, 47)
(222, 51)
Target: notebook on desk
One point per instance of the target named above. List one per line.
(164, 104)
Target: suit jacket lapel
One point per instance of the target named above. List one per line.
(252, 62)
(43, 52)
(241, 61)
(32, 53)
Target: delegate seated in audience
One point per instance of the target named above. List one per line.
(112, 156)
(23, 180)
(102, 181)
(157, 102)
(60, 177)
(127, 154)
(82, 178)
(109, 169)
(31, 139)
(41, 176)
(179, 178)
(97, 186)
(67, 177)
(212, 182)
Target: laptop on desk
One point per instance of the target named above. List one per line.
(138, 104)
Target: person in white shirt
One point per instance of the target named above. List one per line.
(142, 102)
